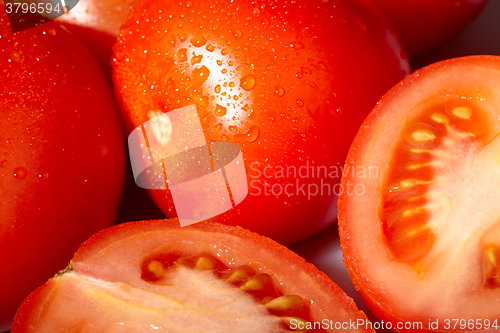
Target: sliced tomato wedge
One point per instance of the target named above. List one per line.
(420, 215)
(155, 275)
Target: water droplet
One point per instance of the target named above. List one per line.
(52, 32)
(218, 127)
(236, 97)
(20, 173)
(246, 108)
(182, 55)
(299, 75)
(200, 75)
(299, 37)
(238, 34)
(233, 128)
(280, 92)
(224, 71)
(300, 103)
(322, 66)
(306, 70)
(248, 82)
(220, 110)
(224, 52)
(297, 46)
(271, 118)
(210, 48)
(252, 134)
(230, 63)
(182, 37)
(265, 22)
(217, 89)
(232, 84)
(198, 41)
(256, 11)
(15, 56)
(196, 59)
(219, 62)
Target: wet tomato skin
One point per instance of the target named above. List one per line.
(378, 258)
(62, 158)
(312, 64)
(227, 245)
(424, 25)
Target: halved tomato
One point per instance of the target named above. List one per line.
(420, 228)
(155, 275)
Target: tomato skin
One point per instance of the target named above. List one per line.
(291, 272)
(96, 23)
(313, 90)
(425, 24)
(360, 226)
(62, 158)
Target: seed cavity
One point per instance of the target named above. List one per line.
(407, 183)
(423, 135)
(463, 112)
(156, 268)
(429, 164)
(440, 118)
(257, 283)
(241, 274)
(436, 152)
(290, 308)
(491, 262)
(413, 211)
(286, 303)
(418, 230)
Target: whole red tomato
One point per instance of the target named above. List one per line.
(425, 24)
(61, 156)
(290, 83)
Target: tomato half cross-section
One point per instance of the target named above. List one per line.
(420, 232)
(156, 276)
(62, 156)
(289, 82)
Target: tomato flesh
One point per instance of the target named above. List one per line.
(206, 277)
(417, 197)
(425, 230)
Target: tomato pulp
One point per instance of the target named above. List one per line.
(290, 83)
(155, 275)
(421, 239)
(62, 158)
